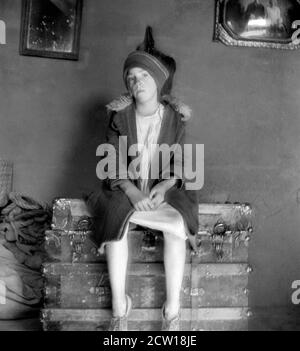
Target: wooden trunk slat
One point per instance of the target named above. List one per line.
(87, 285)
(95, 315)
(156, 269)
(146, 319)
(241, 325)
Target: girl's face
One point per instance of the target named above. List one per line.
(141, 85)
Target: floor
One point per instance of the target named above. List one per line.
(275, 319)
(32, 324)
(270, 319)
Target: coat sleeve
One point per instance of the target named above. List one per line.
(177, 161)
(117, 175)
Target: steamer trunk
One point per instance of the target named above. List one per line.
(214, 294)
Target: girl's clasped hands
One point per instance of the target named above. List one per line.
(143, 202)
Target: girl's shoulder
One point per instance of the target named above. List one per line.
(122, 103)
(119, 109)
(119, 104)
(182, 111)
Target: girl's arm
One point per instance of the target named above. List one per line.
(139, 200)
(119, 179)
(167, 184)
(175, 175)
(116, 177)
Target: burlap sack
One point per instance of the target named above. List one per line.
(20, 287)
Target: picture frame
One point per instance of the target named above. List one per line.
(51, 28)
(258, 23)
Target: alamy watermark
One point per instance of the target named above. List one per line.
(2, 292)
(296, 34)
(2, 32)
(296, 293)
(165, 161)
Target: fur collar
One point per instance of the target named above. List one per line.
(125, 100)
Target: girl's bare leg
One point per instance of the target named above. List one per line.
(174, 261)
(117, 258)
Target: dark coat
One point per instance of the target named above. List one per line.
(109, 204)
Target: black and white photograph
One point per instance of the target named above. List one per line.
(149, 170)
(51, 28)
(269, 23)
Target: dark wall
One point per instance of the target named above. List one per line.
(246, 112)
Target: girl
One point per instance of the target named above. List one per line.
(147, 117)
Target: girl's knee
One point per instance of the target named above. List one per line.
(171, 238)
(176, 219)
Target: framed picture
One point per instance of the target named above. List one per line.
(258, 23)
(51, 28)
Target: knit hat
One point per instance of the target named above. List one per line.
(160, 66)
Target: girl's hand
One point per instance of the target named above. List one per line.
(139, 200)
(157, 195)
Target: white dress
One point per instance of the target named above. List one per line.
(165, 218)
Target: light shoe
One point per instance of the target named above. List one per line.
(170, 324)
(120, 323)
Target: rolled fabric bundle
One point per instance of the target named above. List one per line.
(15, 228)
(14, 212)
(26, 221)
(23, 223)
(29, 214)
(35, 261)
(19, 255)
(25, 202)
(27, 249)
(7, 209)
(8, 232)
(26, 239)
(3, 227)
(42, 218)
